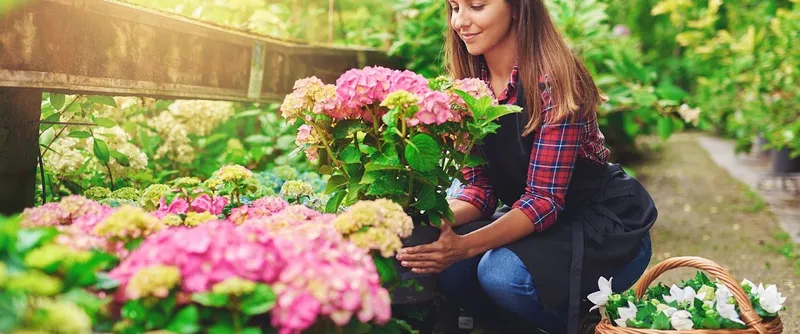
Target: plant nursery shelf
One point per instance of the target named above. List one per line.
(103, 47)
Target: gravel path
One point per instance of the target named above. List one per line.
(703, 211)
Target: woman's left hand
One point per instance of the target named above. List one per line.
(436, 256)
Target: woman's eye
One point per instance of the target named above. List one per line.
(477, 7)
(455, 9)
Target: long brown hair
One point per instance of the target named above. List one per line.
(539, 44)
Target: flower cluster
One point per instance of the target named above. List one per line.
(296, 189)
(128, 223)
(260, 208)
(692, 304)
(385, 223)
(64, 212)
(155, 281)
(313, 273)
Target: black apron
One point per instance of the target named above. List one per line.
(606, 216)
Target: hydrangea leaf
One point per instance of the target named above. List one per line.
(423, 153)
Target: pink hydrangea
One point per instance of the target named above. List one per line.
(357, 88)
(434, 109)
(63, 212)
(204, 203)
(410, 82)
(262, 207)
(312, 269)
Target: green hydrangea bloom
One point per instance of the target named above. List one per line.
(172, 220)
(59, 316)
(151, 196)
(286, 172)
(128, 223)
(50, 254)
(126, 193)
(155, 281)
(233, 173)
(400, 99)
(186, 182)
(194, 218)
(234, 286)
(34, 282)
(292, 190)
(97, 193)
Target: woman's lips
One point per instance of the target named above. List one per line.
(468, 38)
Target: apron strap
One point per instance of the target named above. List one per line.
(575, 272)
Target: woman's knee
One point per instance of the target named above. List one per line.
(503, 275)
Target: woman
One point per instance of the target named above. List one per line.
(569, 216)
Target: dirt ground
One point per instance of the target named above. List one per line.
(705, 212)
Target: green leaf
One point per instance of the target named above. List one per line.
(386, 268)
(101, 150)
(645, 98)
(79, 134)
(351, 155)
(423, 153)
(12, 307)
(333, 203)
(353, 193)
(105, 122)
(474, 161)
(250, 330)
(134, 310)
(335, 183)
(121, 158)
(387, 185)
(472, 104)
(105, 282)
(388, 158)
(186, 321)
(326, 170)
(47, 136)
(371, 176)
(50, 119)
(57, 100)
(87, 301)
(261, 300)
(661, 321)
(671, 92)
(28, 239)
(210, 299)
(348, 127)
(664, 127)
(427, 198)
(495, 112)
(711, 323)
(107, 100)
(372, 166)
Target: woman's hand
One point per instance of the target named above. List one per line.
(436, 256)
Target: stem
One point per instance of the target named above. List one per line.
(110, 175)
(410, 187)
(63, 128)
(327, 146)
(237, 322)
(41, 171)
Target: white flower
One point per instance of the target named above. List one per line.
(728, 311)
(600, 298)
(770, 299)
(681, 320)
(687, 295)
(625, 314)
(668, 310)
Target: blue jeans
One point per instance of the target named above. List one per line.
(498, 277)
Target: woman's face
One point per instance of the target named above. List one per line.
(481, 24)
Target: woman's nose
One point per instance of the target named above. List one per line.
(460, 20)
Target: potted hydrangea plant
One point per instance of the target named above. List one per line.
(382, 133)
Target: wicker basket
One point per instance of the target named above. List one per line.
(748, 315)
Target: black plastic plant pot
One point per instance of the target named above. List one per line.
(782, 163)
(403, 295)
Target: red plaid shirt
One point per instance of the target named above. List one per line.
(556, 146)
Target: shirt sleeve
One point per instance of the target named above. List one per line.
(477, 190)
(555, 149)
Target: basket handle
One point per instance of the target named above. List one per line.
(749, 315)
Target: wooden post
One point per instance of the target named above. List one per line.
(20, 110)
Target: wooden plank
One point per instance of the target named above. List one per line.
(113, 48)
(19, 130)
